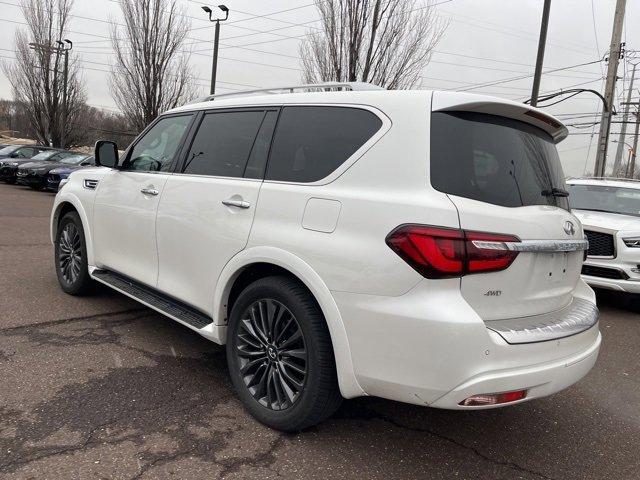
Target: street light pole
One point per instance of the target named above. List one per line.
(214, 65)
(631, 152)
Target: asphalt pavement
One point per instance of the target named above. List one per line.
(101, 387)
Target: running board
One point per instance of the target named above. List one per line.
(158, 301)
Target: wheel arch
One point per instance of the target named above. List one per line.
(72, 204)
(265, 260)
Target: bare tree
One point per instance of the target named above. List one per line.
(36, 76)
(386, 42)
(151, 72)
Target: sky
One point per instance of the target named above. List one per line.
(486, 41)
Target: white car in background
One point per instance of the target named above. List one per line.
(609, 210)
(411, 245)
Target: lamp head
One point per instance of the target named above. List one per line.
(223, 8)
(207, 9)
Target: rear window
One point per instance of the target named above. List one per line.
(494, 160)
(312, 142)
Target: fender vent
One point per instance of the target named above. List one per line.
(90, 184)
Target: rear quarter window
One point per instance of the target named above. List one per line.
(494, 160)
(312, 142)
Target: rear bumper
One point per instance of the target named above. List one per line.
(539, 380)
(429, 347)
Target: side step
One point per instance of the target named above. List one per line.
(158, 301)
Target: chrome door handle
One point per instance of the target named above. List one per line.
(149, 191)
(236, 203)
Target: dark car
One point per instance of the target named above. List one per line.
(33, 172)
(15, 155)
(68, 165)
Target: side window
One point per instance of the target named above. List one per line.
(222, 145)
(26, 152)
(156, 150)
(258, 158)
(312, 142)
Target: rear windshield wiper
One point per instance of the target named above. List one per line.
(555, 192)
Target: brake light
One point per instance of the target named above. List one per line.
(437, 252)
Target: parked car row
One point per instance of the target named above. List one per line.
(39, 167)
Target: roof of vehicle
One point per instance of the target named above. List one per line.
(605, 181)
(366, 94)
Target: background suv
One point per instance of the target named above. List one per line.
(411, 245)
(609, 210)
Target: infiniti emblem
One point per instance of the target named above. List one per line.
(569, 228)
(272, 353)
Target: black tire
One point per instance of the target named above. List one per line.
(71, 256)
(10, 181)
(319, 397)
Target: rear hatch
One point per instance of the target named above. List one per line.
(497, 161)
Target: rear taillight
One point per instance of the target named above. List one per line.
(437, 252)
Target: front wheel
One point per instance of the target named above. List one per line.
(280, 355)
(71, 256)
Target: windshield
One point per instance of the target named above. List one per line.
(495, 160)
(9, 150)
(601, 198)
(43, 155)
(74, 160)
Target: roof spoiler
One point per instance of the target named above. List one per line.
(469, 102)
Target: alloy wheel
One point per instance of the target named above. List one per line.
(70, 253)
(271, 354)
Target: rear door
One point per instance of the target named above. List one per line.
(504, 177)
(207, 208)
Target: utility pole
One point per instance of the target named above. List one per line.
(214, 65)
(615, 52)
(632, 167)
(623, 129)
(540, 59)
(65, 47)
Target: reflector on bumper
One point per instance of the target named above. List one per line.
(493, 398)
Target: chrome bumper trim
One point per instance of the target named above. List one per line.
(578, 316)
(542, 246)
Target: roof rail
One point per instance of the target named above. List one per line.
(319, 87)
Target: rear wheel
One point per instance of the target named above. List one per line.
(10, 181)
(71, 256)
(280, 355)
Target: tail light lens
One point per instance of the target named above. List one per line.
(437, 252)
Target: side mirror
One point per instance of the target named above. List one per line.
(106, 154)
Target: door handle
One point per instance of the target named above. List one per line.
(149, 191)
(236, 203)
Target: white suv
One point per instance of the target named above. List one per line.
(411, 245)
(609, 210)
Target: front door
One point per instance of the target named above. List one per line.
(127, 201)
(207, 208)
